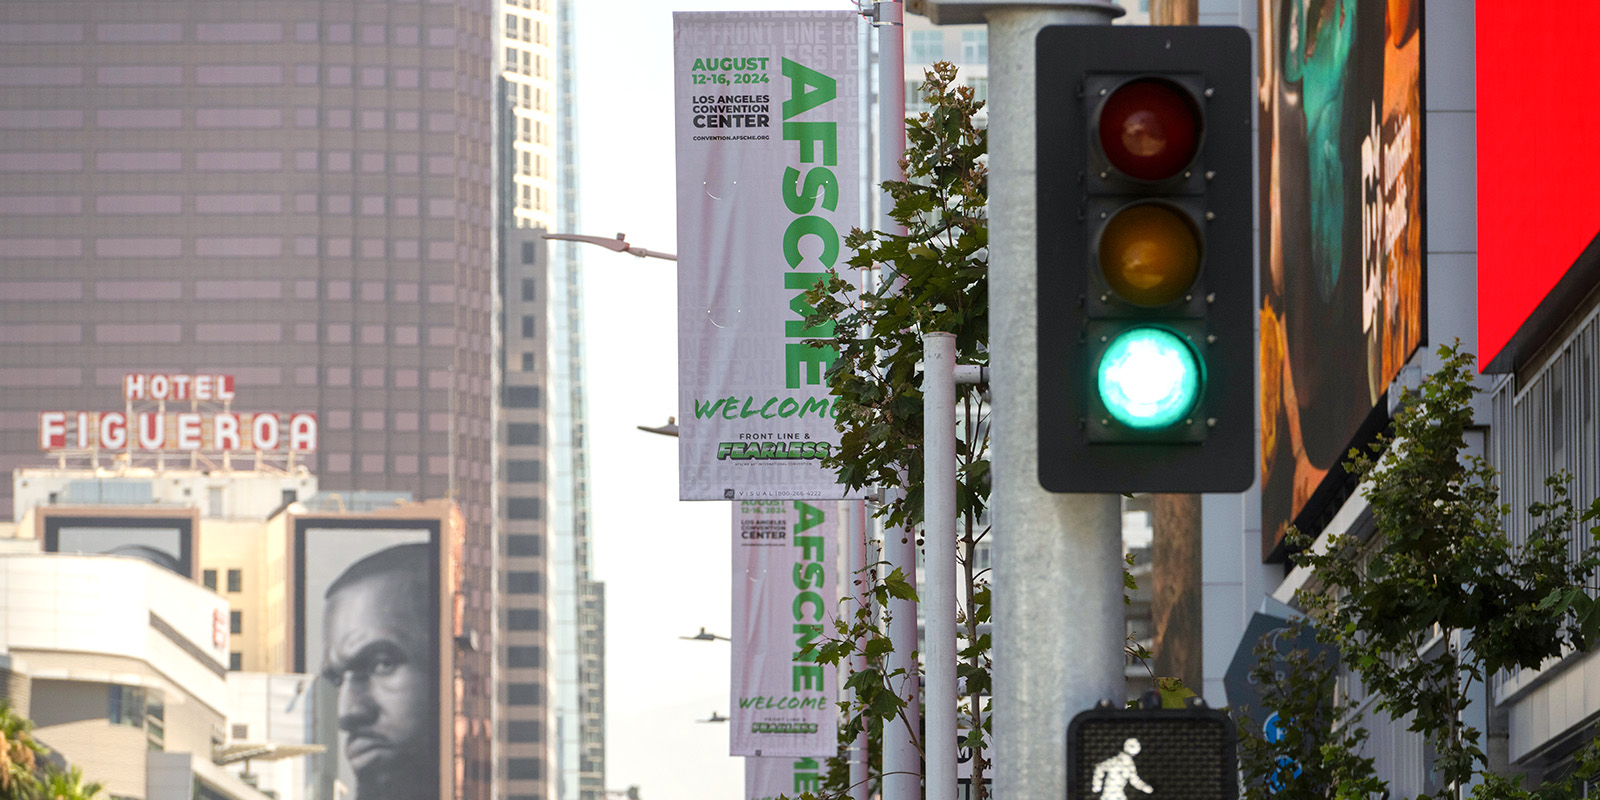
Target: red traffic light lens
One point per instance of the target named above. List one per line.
(1149, 129)
(1149, 254)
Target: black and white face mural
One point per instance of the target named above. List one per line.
(370, 610)
(160, 542)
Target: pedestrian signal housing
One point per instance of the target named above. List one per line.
(1145, 261)
(1164, 754)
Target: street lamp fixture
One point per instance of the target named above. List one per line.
(617, 245)
(705, 636)
(715, 717)
(669, 429)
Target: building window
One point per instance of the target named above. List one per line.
(975, 47)
(525, 432)
(915, 103)
(524, 508)
(927, 46)
(235, 580)
(527, 326)
(235, 661)
(527, 258)
(528, 285)
(524, 544)
(524, 582)
(525, 769)
(126, 706)
(524, 619)
(525, 694)
(209, 578)
(236, 622)
(525, 731)
(530, 657)
(522, 397)
(527, 362)
(524, 471)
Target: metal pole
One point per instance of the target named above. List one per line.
(902, 768)
(940, 376)
(1058, 580)
(939, 543)
(859, 788)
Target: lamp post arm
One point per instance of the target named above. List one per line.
(617, 245)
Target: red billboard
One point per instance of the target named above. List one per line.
(1341, 154)
(1538, 109)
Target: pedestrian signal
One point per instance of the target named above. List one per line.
(1167, 754)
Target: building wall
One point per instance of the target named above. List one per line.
(528, 64)
(294, 193)
(84, 628)
(524, 648)
(578, 671)
(71, 718)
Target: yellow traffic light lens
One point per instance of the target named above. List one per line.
(1149, 254)
(1148, 378)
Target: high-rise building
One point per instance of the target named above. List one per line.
(543, 470)
(293, 192)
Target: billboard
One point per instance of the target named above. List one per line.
(167, 542)
(785, 596)
(767, 156)
(368, 620)
(1538, 223)
(1340, 96)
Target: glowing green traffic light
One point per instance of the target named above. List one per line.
(1148, 378)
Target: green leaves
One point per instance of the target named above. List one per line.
(932, 277)
(1438, 597)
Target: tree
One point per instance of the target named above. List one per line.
(25, 773)
(934, 278)
(1437, 600)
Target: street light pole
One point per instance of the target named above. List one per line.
(617, 245)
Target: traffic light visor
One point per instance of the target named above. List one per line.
(1149, 129)
(1148, 378)
(1149, 254)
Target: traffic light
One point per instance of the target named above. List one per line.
(1171, 754)
(1145, 260)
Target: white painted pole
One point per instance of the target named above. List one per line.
(1058, 581)
(857, 520)
(939, 543)
(902, 759)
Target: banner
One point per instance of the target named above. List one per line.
(785, 595)
(771, 778)
(768, 172)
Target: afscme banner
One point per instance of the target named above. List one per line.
(772, 778)
(768, 176)
(785, 597)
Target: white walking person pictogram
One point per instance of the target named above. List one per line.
(1112, 776)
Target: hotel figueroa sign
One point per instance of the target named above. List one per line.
(178, 413)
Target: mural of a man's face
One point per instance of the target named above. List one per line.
(377, 653)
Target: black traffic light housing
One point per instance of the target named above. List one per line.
(1145, 164)
(1182, 754)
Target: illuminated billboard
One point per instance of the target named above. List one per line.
(1341, 236)
(1538, 222)
(368, 622)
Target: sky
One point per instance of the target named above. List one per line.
(665, 563)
